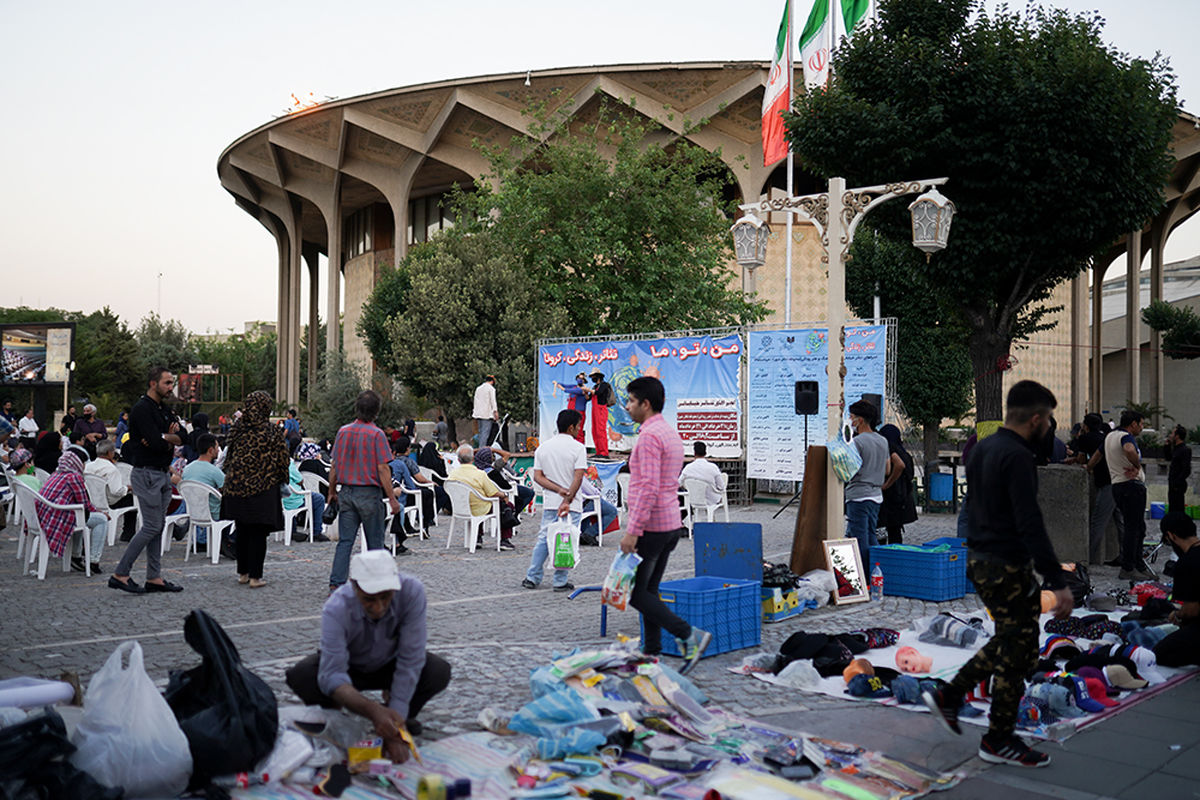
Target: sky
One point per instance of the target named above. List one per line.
(116, 114)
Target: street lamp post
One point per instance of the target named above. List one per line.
(70, 365)
(836, 215)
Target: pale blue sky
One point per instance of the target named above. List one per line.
(117, 112)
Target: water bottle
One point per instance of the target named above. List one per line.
(877, 583)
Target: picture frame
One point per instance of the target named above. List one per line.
(841, 555)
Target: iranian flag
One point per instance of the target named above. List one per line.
(777, 97)
(815, 43)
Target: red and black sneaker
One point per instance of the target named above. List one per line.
(1010, 750)
(944, 708)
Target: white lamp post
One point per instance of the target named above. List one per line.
(836, 215)
(750, 245)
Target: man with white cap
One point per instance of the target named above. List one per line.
(373, 637)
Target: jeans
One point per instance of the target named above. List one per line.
(525, 496)
(357, 505)
(961, 530)
(98, 524)
(434, 677)
(486, 428)
(153, 492)
(861, 516)
(541, 551)
(608, 512)
(318, 510)
(655, 548)
(1130, 497)
(1104, 509)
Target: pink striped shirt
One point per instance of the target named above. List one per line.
(654, 467)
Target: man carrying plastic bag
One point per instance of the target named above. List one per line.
(558, 467)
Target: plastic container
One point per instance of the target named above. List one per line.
(876, 583)
(934, 576)
(779, 604)
(728, 608)
(941, 487)
(1158, 510)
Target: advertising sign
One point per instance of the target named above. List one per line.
(35, 354)
(700, 375)
(775, 447)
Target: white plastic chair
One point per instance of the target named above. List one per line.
(29, 499)
(313, 482)
(460, 501)
(41, 474)
(593, 512)
(196, 495)
(289, 516)
(697, 499)
(168, 534)
(413, 509)
(623, 506)
(126, 470)
(97, 489)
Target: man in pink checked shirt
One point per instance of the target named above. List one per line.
(654, 523)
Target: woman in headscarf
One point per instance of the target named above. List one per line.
(47, 451)
(66, 487)
(308, 456)
(256, 465)
(485, 460)
(431, 459)
(898, 507)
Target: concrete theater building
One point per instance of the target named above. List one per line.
(361, 179)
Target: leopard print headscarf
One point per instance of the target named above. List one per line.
(257, 458)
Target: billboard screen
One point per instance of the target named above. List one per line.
(35, 353)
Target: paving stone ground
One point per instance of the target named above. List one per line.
(492, 631)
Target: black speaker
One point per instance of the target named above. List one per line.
(806, 397)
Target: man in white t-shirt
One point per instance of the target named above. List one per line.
(558, 467)
(486, 412)
(701, 469)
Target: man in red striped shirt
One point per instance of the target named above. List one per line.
(654, 524)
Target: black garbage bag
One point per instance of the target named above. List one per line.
(34, 765)
(229, 715)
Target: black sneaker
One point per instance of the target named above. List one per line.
(401, 550)
(506, 544)
(77, 564)
(320, 537)
(414, 727)
(1010, 750)
(96, 569)
(944, 709)
(566, 587)
(1116, 562)
(528, 584)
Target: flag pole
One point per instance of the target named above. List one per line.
(787, 279)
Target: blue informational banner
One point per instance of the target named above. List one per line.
(700, 374)
(775, 447)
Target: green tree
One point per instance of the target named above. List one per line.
(469, 313)
(624, 233)
(387, 300)
(933, 367)
(332, 404)
(1055, 146)
(1179, 325)
(164, 342)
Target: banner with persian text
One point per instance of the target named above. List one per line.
(700, 375)
(775, 447)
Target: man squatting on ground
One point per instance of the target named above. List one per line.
(1006, 540)
(373, 637)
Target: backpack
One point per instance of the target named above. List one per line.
(605, 394)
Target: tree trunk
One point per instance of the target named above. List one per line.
(932, 434)
(987, 348)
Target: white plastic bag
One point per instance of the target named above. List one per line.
(128, 735)
(563, 538)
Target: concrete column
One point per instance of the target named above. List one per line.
(333, 300)
(281, 317)
(836, 316)
(1133, 353)
(314, 321)
(1156, 293)
(1079, 342)
(400, 220)
(293, 320)
(1097, 329)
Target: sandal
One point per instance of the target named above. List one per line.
(257, 583)
(243, 578)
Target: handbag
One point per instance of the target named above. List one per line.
(331, 511)
(843, 455)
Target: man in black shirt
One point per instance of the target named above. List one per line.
(154, 433)
(1182, 647)
(1006, 540)
(1181, 468)
(1091, 444)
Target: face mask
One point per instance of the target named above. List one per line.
(581, 381)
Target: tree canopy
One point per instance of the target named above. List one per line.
(1179, 325)
(469, 312)
(1054, 143)
(621, 232)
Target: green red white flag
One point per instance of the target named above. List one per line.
(778, 95)
(816, 40)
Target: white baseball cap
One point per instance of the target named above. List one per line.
(375, 571)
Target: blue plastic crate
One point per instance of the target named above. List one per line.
(955, 542)
(934, 576)
(728, 608)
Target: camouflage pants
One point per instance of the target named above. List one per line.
(1010, 593)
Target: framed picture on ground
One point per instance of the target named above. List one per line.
(843, 560)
